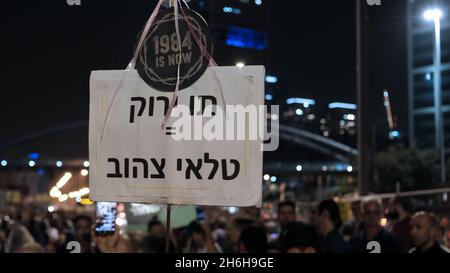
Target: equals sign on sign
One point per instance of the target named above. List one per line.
(170, 131)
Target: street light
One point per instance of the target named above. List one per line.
(435, 16)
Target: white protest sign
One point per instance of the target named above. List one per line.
(137, 161)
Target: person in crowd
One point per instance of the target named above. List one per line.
(38, 228)
(373, 231)
(328, 222)
(286, 213)
(155, 241)
(233, 232)
(402, 224)
(20, 240)
(426, 233)
(445, 230)
(83, 226)
(197, 239)
(219, 229)
(299, 237)
(355, 224)
(253, 239)
(156, 228)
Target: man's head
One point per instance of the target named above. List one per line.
(425, 229)
(253, 239)
(286, 213)
(403, 206)
(356, 210)
(156, 228)
(83, 227)
(299, 237)
(372, 213)
(197, 232)
(328, 215)
(234, 230)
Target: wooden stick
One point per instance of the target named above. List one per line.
(168, 216)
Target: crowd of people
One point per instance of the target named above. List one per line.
(404, 231)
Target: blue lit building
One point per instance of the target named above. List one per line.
(238, 28)
(423, 114)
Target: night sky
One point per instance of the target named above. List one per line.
(48, 49)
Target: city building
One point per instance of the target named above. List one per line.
(238, 29)
(424, 114)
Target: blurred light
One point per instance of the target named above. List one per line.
(4, 163)
(349, 117)
(78, 199)
(59, 164)
(83, 191)
(383, 222)
(63, 198)
(55, 192)
(299, 168)
(299, 112)
(34, 156)
(324, 168)
(385, 93)
(246, 38)
(326, 134)
(305, 102)
(432, 14)
(73, 194)
(31, 163)
(311, 117)
(51, 209)
(240, 65)
(342, 105)
(445, 197)
(120, 221)
(41, 171)
(86, 164)
(428, 77)
(273, 179)
(271, 79)
(232, 210)
(269, 97)
(122, 214)
(266, 177)
(274, 117)
(395, 134)
(63, 180)
(349, 169)
(232, 10)
(84, 172)
(258, 2)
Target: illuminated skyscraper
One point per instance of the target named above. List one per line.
(424, 114)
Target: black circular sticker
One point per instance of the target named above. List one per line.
(157, 61)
